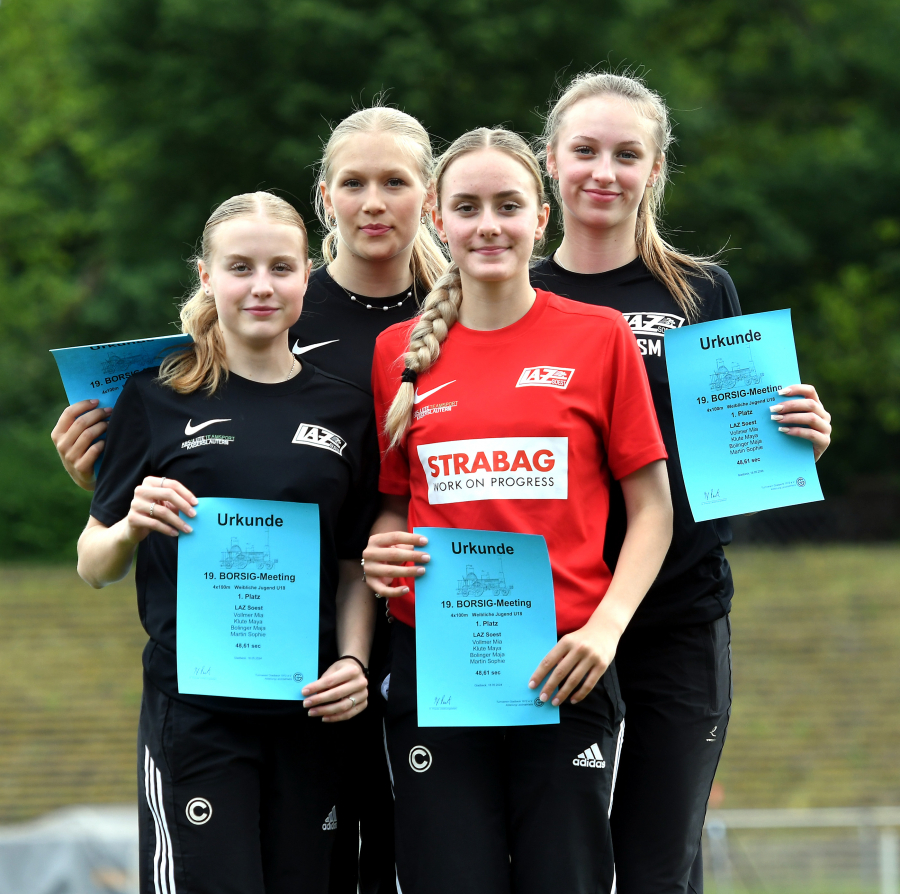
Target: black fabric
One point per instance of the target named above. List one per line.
(230, 807)
(491, 810)
(694, 584)
(250, 452)
(344, 331)
(676, 683)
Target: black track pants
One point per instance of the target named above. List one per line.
(502, 810)
(233, 804)
(676, 684)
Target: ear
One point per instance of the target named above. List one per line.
(438, 219)
(204, 277)
(655, 171)
(542, 221)
(326, 198)
(552, 169)
(430, 201)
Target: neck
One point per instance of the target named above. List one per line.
(592, 250)
(495, 305)
(373, 279)
(267, 362)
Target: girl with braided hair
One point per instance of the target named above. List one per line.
(476, 806)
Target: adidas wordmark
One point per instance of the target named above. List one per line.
(590, 757)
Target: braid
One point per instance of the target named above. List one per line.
(439, 312)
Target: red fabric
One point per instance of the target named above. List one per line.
(539, 413)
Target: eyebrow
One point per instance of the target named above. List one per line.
(585, 137)
(505, 194)
(275, 260)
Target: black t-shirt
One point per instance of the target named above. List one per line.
(338, 334)
(244, 441)
(694, 584)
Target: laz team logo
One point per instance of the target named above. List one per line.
(316, 436)
(546, 376)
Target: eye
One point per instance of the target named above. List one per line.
(629, 155)
(240, 267)
(396, 181)
(282, 267)
(510, 207)
(583, 150)
(352, 183)
(465, 208)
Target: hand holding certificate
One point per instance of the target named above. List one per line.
(724, 376)
(248, 599)
(485, 616)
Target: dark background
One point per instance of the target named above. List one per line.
(123, 122)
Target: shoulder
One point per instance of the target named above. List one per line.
(343, 389)
(717, 293)
(397, 335)
(590, 313)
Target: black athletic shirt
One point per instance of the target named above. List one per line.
(252, 450)
(694, 584)
(339, 334)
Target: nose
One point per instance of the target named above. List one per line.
(603, 169)
(488, 223)
(262, 285)
(373, 201)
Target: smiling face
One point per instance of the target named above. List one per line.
(604, 158)
(376, 194)
(257, 272)
(490, 215)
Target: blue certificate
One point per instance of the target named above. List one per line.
(724, 375)
(485, 617)
(101, 371)
(248, 599)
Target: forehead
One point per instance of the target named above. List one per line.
(606, 119)
(485, 172)
(257, 237)
(374, 153)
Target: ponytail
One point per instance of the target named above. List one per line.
(439, 312)
(204, 364)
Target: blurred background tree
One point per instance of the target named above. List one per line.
(123, 122)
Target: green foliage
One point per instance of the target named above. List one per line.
(122, 122)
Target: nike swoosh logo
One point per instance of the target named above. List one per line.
(193, 429)
(421, 397)
(298, 350)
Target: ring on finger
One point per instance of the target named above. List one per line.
(162, 482)
(152, 507)
(352, 700)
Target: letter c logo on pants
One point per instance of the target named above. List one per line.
(199, 811)
(419, 758)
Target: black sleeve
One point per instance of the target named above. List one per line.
(731, 306)
(361, 506)
(126, 457)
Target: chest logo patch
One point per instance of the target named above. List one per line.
(496, 469)
(546, 377)
(317, 436)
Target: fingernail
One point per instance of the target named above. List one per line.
(423, 541)
(188, 529)
(304, 692)
(406, 589)
(193, 513)
(94, 400)
(420, 571)
(531, 684)
(555, 702)
(313, 712)
(775, 418)
(425, 558)
(776, 409)
(194, 501)
(544, 696)
(784, 391)
(782, 428)
(107, 410)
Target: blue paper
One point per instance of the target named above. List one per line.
(101, 371)
(248, 599)
(724, 376)
(485, 617)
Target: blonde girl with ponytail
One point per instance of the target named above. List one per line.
(466, 445)
(605, 146)
(228, 784)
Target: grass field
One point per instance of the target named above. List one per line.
(816, 716)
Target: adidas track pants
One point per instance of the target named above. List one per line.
(233, 804)
(511, 810)
(676, 682)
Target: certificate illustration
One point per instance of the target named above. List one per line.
(101, 371)
(724, 376)
(248, 599)
(485, 617)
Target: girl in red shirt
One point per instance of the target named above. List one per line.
(546, 398)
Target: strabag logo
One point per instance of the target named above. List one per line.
(545, 376)
(496, 469)
(316, 436)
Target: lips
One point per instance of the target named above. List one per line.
(603, 195)
(491, 251)
(376, 229)
(261, 311)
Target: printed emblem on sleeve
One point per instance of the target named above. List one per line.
(545, 376)
(644, 323)
(317, 436)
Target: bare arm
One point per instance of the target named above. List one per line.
(583, 656)
(105, 554)
(342, 691)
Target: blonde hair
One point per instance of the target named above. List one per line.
(669, 265)
(203, 364)
(441, 308)
(428, 260)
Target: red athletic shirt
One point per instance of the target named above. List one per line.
(518, 429)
